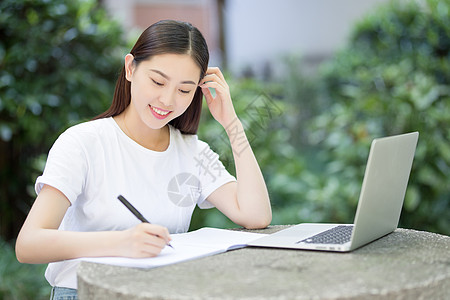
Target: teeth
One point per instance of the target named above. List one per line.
(160, 112)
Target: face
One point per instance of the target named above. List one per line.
(162, 88)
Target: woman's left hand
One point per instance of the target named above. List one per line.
(220, 106)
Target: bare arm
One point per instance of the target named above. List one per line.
(246, 202)
(41, 229)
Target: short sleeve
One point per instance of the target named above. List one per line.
(212, 173)
(66, 167)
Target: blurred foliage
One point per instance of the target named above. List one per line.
(58, 64)
(394, 77)
(20, 281)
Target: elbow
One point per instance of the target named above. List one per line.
(260, 222)
(20, 253)
(259, 225)
(23, 251)
(260, 218)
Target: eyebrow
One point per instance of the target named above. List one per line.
(168, 78)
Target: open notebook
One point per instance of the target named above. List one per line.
(186, 246)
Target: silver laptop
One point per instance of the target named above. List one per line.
(379, 206)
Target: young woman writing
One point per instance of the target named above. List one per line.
(140, 147)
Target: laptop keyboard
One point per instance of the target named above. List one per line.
(337, 235)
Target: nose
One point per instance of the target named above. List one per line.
(167, 98)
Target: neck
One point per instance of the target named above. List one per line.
(135, 129)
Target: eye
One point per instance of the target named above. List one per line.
(157, 83)
(184, 92)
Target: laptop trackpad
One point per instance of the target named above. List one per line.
(291, 235)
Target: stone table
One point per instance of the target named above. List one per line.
(405, 264)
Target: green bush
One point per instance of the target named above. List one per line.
(393, 77)
(58, 65)
(20, 281)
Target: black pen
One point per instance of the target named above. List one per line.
(135, 212)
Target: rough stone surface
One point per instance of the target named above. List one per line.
(405, 264)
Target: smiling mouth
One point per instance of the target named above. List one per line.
(159, 113)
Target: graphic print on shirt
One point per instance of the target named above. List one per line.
(184, 189)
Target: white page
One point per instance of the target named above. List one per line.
(186, 246)
(216, 238)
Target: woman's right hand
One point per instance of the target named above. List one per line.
(144, 240)
(44, 219)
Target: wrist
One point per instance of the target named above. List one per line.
(238, 139)
(119, 242)
(234, 127)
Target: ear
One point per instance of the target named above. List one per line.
(129, 66)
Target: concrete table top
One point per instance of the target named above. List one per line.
(405, 264)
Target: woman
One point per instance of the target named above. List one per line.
(144, 147)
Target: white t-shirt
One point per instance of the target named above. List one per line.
(94, 162)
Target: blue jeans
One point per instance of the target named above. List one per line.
(60, 293)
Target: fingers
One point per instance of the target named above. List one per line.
(213, 74)
(147, 240)
(216, 71)
(217, 86)
(220, 104)
(157, 230)
(207, 93)
(214, 82)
